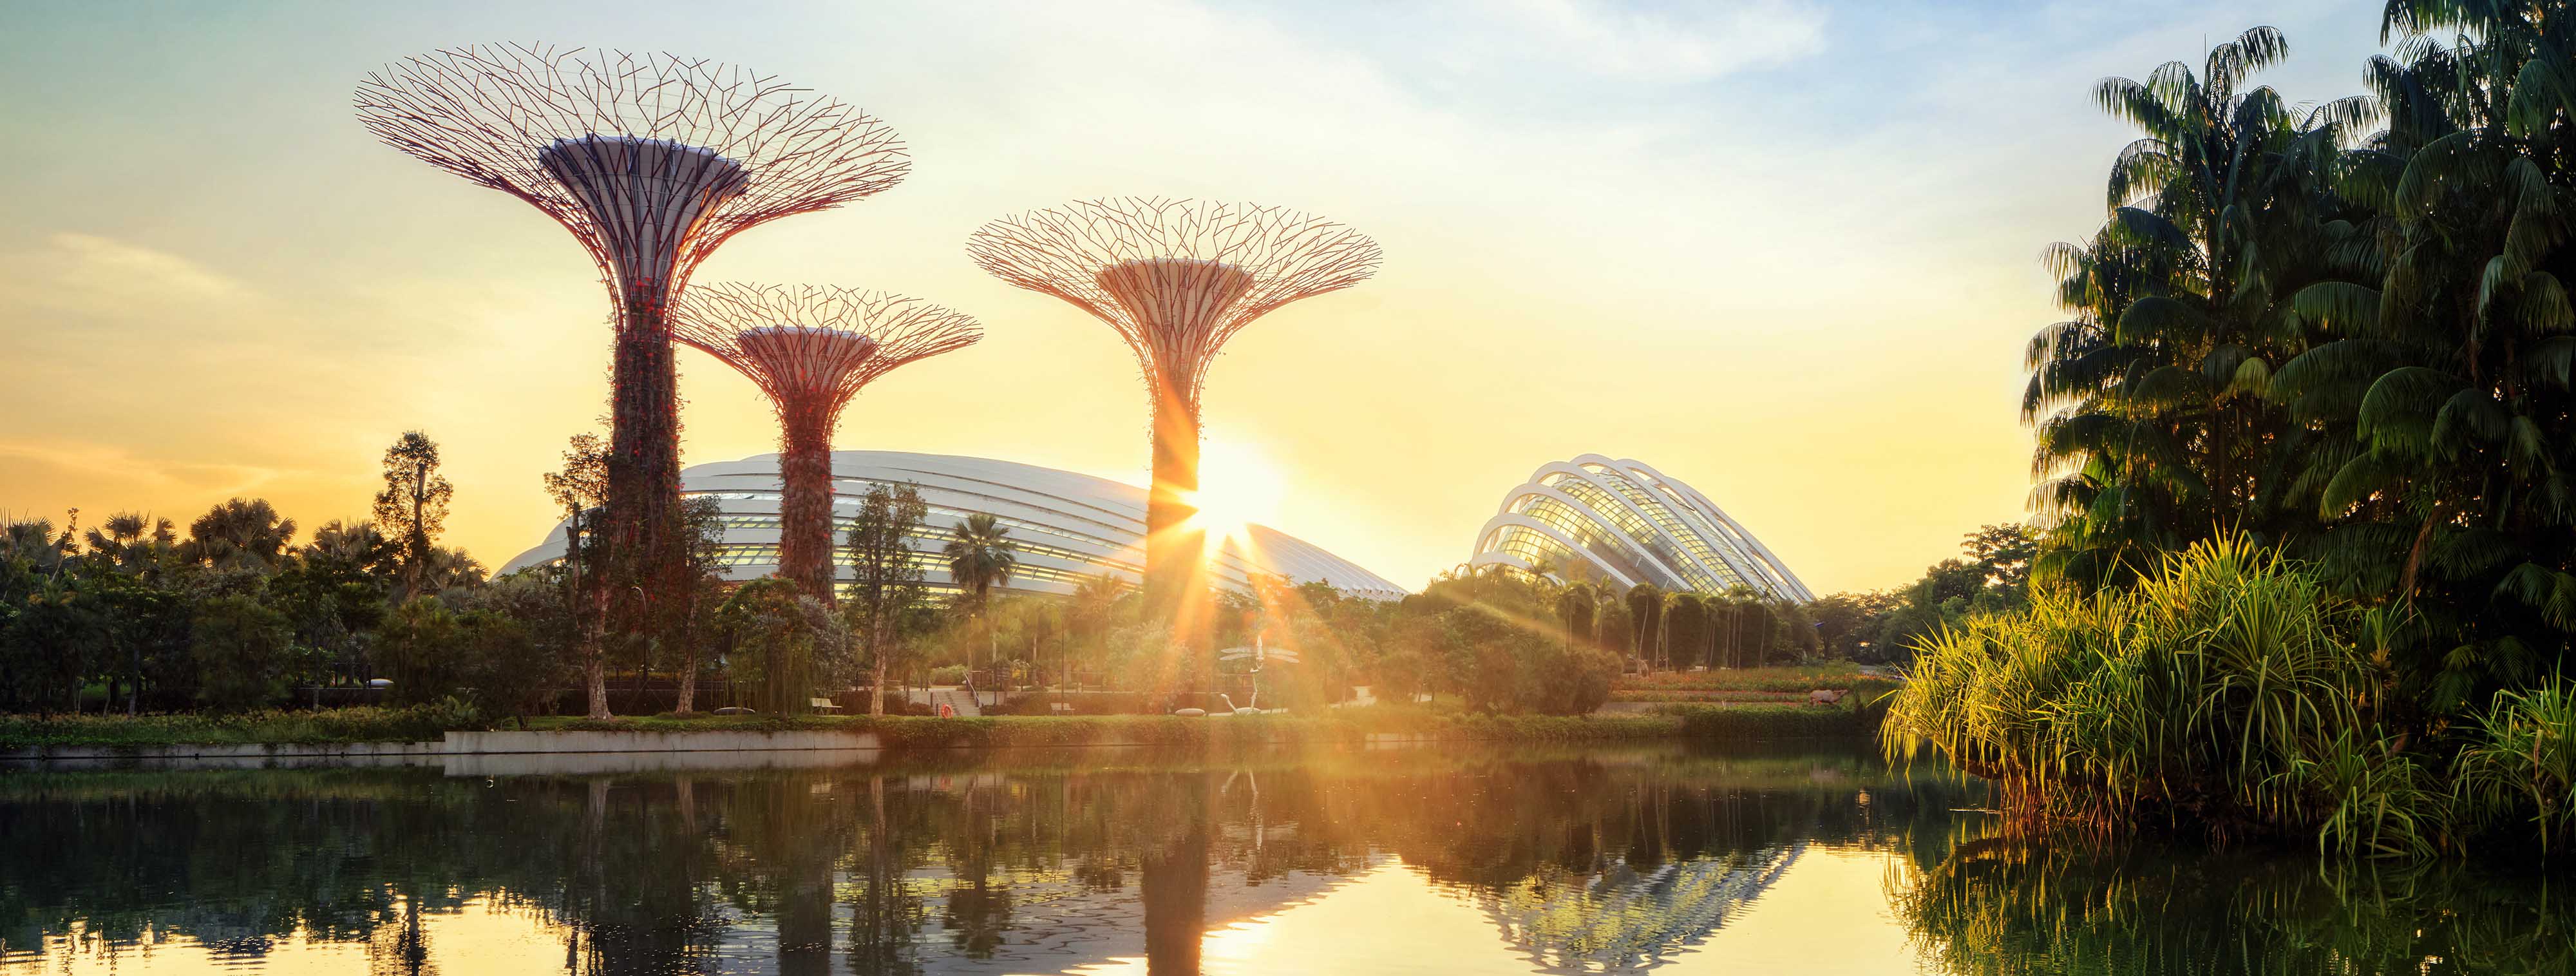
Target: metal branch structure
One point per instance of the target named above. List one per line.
(1176, 279)
(812, 348)
(651, 161)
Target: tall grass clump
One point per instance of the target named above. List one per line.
(2519, 765)
(2223, 692)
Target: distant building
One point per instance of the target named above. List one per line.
(1067, 526)
(1626, 523)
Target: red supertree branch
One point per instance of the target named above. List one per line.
(811, 349)
(1175, 278)
(651, 160)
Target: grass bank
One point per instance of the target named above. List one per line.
(1344, 727)
(423, 723)
(1773, 680)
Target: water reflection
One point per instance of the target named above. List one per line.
(1407, 861)
(1997, 906)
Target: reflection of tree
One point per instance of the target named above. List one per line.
(1999, 906)
(886, 913)
(401, 950)
(779, 845)
(636, 886)
(1601, 859)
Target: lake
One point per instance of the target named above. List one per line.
(1452, 858)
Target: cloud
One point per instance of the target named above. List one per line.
(1615, 41)
(87, 273)
(108, 465)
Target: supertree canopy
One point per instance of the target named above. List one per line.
(1175, 279)
(812, 348)
(651, 161)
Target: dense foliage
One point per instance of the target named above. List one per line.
(2310, 558)
(2342, 331)
(1991, 574)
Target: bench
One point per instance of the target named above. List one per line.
(823, 705)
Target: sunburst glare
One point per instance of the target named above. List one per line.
(1238, 486)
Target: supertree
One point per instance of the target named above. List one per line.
(812, 348)
(1176, 279)
(651, 161)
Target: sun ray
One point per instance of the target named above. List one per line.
(1238, 487)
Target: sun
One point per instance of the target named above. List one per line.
(1238, 486)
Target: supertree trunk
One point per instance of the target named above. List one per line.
(805, 505)
(644, 441)
(1174, 542)
(643, 503)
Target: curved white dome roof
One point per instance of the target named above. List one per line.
(1067, 525)
(1631, 524)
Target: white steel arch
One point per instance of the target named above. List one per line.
(1630, 523)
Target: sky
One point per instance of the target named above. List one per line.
(1785, 251)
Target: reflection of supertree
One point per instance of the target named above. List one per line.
(651, 161)
(1176, 279)
(1172, 881)
(812, 349)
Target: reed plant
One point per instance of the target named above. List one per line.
(2520, 765)
(2223, 692)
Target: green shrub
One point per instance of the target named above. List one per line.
(2222, 688)
(338, 725)
(948, 674)
(244, 652)
(2520, 762)
(1770, 721)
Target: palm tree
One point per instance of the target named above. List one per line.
(447, 567)
(2153, 424)
(2449, 352)
(132, 542)
(239, 534)
(980, 557)
(354, 545)
(36, 542)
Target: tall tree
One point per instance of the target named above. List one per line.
(980, 557)
(133, 543)
(1685, 628)
(885, 574)
(412, 508)
(1645, 620)
(1576, 606)
(2447, 350)
(239, 534)
(580, 488)
(702, 566)
(356, 548)
(2152, 422)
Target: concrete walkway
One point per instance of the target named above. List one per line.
(956, 699)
